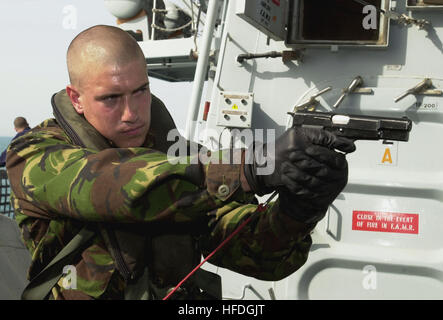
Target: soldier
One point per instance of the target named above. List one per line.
(21, 126)
(93, 190)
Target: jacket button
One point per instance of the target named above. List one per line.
(223, 190)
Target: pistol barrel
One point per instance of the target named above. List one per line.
(357, 127)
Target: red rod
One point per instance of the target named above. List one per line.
(260, 208)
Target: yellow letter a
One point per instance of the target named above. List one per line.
(387, 156)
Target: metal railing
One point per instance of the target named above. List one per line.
(5, 191)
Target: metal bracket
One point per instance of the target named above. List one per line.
(352, 88)
(421, 89)
(286, 55)
(312, 102)
(363, 91)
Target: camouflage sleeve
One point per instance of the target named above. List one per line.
(270, 247)
(50, 177)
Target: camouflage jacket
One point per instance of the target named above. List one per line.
(57, 187)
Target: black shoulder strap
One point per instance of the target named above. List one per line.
(41, 285)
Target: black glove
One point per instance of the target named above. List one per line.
(302, 211)
(312, 179)
(265, 176)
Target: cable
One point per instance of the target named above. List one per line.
(173, 29)
(260, 208)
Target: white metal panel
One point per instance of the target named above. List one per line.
(343, 262)
(269, 16)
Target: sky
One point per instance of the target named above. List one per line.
(34, 37)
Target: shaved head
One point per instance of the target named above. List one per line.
(109, 84)
(100, 46)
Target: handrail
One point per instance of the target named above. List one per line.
(5, 192)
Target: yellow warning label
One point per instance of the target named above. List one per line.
(387, 156)
(234, 107)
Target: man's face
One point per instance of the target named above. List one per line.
(116, 100)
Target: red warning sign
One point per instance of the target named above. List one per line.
(385, 222)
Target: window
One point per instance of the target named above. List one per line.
(341, 22)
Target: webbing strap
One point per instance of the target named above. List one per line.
(41, 285)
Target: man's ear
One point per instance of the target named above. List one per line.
(74, 96)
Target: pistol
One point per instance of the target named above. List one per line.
(356, 127)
